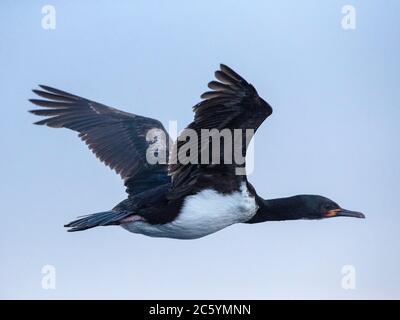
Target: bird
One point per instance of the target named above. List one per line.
(176, 199)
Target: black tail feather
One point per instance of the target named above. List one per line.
(106, 218)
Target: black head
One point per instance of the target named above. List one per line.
(305, 206)
(318, 207)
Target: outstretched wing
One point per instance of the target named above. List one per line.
(117, 138)
(233, 103)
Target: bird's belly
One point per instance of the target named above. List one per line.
(201, 214)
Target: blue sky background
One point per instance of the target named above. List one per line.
(335, 131)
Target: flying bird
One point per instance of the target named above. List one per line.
(178, 200)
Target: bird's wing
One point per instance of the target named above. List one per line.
(117, 138)
(232, 103)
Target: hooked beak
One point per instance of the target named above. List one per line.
(344, 213)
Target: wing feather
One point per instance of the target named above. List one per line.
(232, 104)
(117, 138)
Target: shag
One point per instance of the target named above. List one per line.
(178, 200)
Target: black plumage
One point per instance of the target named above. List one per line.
(117, 138)
(158, 193)
(234, 104)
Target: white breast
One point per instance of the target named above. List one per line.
(203, 213)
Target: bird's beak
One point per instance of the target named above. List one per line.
(344, 213)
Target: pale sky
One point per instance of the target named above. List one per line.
(334, 131)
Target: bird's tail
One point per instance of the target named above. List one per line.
(106, 218)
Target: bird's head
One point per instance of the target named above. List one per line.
(305, 206)
(319, 207)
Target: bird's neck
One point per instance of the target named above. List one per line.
(290, 208)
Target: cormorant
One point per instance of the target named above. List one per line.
(178, 200)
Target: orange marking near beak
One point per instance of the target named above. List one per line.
(332, 213)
